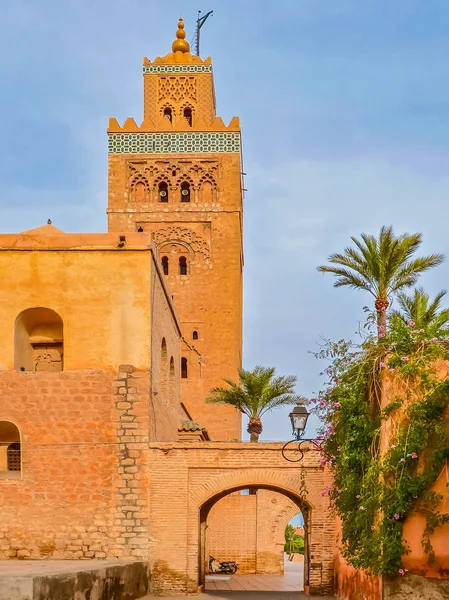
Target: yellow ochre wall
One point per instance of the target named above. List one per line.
(101, 293)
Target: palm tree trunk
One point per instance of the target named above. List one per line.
(254, 428)
(381, 306)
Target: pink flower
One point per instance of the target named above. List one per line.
(396, 516)
(362, 508)
(382, 365)
(323, 493)
(337, 404)
(380, 328)
(434, 340)
(421, 331)
(411, 323)
(391, 369)
(414, 455)
(404, 358)
(358, 496)
(381, 335)
(401, 572)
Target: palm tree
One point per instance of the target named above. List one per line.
(381, 265)
(257, 392)
(424, 313)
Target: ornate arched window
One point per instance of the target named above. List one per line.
(163, 191)
(182, 265)
(185, 191)
(168, 114)
(187, 112)
(164, 263)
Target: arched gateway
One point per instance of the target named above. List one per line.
(187, 479)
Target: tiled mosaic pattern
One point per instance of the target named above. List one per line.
(172, 143)
(162, 69)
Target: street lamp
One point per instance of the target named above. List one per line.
(292, 450)
(298, 418)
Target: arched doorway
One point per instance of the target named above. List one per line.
(301, 506)
(196, 476)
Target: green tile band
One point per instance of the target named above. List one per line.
(162, 69)
(172, 143)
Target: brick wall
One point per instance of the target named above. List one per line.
(85, 474)
(232, 531)
(62, 507)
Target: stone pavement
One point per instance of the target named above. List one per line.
(257, 587)
(291, 581)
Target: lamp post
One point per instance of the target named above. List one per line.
(292, 450)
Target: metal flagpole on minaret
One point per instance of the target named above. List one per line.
(199, 23)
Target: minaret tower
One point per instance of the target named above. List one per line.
(178, 176)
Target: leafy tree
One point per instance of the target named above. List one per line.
(290, 532)
(257, 392)
(424, 313)
(382, 266)
(293, 541)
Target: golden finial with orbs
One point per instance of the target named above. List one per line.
(180, 44)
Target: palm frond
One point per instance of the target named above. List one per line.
(382, 265)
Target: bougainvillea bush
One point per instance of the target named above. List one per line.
(376, 489)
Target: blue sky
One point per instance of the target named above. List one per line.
(345, 115)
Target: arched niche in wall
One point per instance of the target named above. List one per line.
(38, 340)
(10, 448)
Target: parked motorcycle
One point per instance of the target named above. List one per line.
(222, 567)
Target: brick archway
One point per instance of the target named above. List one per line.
(189, 478)
(251, 476)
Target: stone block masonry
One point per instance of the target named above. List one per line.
(131, 515)
(83, 491)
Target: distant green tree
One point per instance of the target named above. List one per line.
(294, 543)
